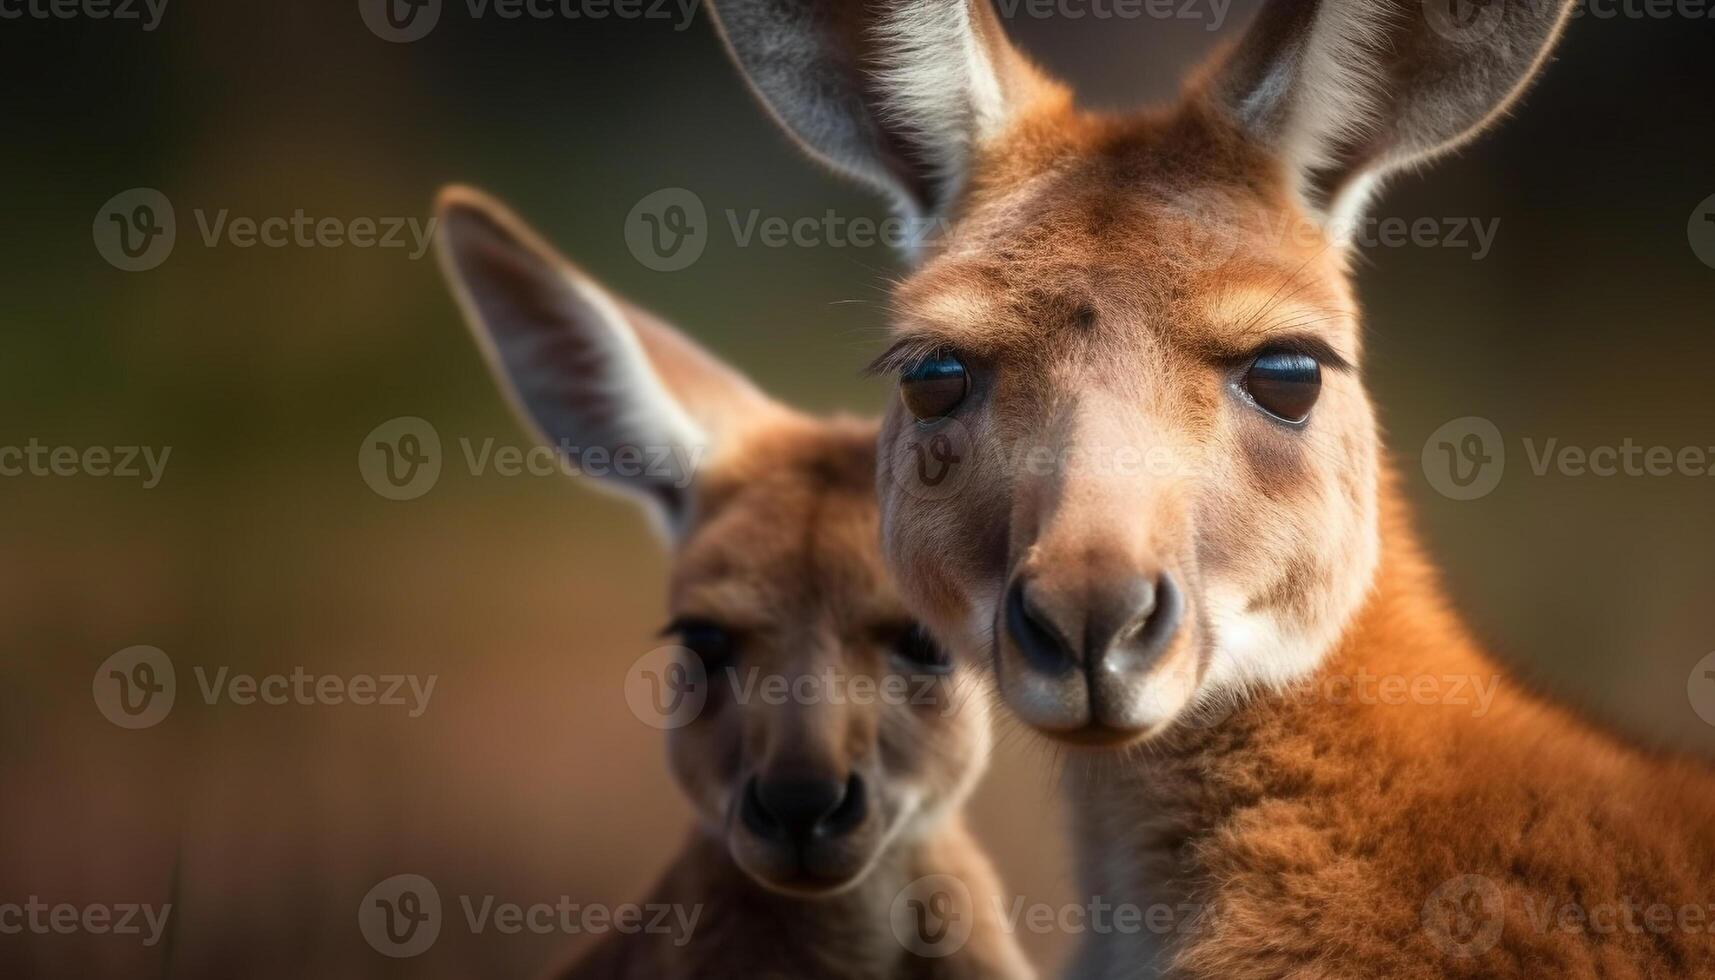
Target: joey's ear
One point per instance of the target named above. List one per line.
(1348, 91)
(583, 368)
(896, 93)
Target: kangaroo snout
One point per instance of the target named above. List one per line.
(1089, 647)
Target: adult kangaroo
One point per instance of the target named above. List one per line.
(1159, 513)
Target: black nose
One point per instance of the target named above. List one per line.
(798, 809)
(1059, 630)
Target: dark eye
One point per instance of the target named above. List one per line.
(712, 643)
(916, 647)
(1285, 384)
(932, 388)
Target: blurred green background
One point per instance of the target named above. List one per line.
(1589, 321)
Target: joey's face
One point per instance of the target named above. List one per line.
(834, 727)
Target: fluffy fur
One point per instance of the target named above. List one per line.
(774, 539)
(1108, 281)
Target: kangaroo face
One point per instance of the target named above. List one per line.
(830, 725)
(1166, 476)
(833, 725)
(1132, 467)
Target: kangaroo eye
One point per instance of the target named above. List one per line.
(916, 647)
(1285, 384)
(932, 388)
(712, 643)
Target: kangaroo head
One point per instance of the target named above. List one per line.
(1132, 465)
(832, 725)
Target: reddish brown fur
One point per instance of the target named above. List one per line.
(1309, 830)
(1314, 836)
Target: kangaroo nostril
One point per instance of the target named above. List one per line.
(755, 813)
(1162, 617)
(1039, 640)
(850, 813)
(795, 808)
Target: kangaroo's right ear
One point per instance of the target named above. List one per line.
(897, 93)
(586, 370)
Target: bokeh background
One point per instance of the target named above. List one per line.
(1588, 321)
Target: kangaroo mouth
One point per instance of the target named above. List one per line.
(1123, 699)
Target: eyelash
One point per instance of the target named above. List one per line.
(907, 355)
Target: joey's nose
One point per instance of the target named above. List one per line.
(1119, 622)
(798, 809)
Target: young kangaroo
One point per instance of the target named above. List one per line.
(1159, 510)
(833, 747)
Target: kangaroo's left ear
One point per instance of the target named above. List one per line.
(899, 94)
(588, 371)
(1348, 91)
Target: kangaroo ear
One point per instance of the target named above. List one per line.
(624, 397)
(1349, 91)
(896, 93)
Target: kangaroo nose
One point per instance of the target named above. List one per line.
(1118, 623)
(798, 809)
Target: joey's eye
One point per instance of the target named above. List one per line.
(712, 643)
(932, 388)
(916, 647)
(1285, 384)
